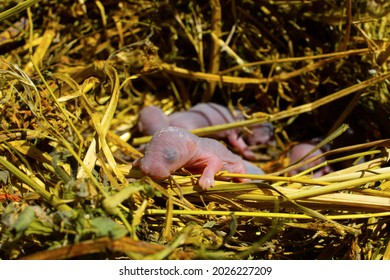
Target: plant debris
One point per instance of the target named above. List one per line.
(74, 75)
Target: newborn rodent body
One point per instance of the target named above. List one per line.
(172, 148)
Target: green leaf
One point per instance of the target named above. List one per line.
(4, 175)
(106, 227)
(39, 227)
(24, 220)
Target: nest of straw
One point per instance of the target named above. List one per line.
(74, 76)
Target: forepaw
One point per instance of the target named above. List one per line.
(206, 182)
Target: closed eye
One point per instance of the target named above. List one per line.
(171, 155)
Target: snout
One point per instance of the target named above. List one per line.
(154, 170)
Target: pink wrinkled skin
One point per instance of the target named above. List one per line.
(172, 148)
(261, 134)
(152, 119)
(302, 149)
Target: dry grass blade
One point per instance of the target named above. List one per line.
(51, 199)
(266, 215)
(102, 129)
(17, 9)
(339, 186)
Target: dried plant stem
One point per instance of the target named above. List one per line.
(102, 127)
(181, 72)
(50, 198)
(215, 49)
(297, 59)
(339, 186)
(348, 6)
(124, 244)
(264, 214)
(17, 9)
(283, 114)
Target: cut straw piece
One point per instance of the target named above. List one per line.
(335, 187)
(334, 199)
(353, 172)
(258, 192)
(263, 214)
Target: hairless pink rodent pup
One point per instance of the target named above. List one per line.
(152, 119)
(301, 150)
(172, 148)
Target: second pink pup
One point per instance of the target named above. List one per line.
(153, 119)
(301, 150)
